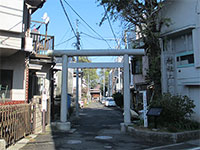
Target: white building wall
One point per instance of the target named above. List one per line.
(18, 83)
(11, 16)
(12, 9)
(194, 93)
(183, 11)
(58, 79)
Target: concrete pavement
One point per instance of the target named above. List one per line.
(97, 128)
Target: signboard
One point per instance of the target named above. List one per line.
(154, 111)
(44, 101)
(144, 93)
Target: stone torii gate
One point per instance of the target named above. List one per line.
(63, 124)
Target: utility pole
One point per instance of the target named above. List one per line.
(88, 88)
(118, 60)
(77, 70)
(104, 83)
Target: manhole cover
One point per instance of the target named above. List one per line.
(103, 137)
(82, 114)
(108, 147)
(74, 142)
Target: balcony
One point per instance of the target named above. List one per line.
(42, 43)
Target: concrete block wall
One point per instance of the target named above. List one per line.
(37, 115)
(37, 122)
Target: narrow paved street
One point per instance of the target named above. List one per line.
(98, 128)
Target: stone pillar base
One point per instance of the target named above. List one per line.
(61, 126)
(2, 144)
(123, 127)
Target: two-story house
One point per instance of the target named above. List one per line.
(15, 47)
(181, 50)
(25, 69)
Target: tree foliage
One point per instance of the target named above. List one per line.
(143, 16)
(119, 99)
(91, 73)
(176, 112)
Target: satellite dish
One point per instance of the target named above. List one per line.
(47, 20)
(44, 16)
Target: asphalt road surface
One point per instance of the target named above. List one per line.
(97, 128)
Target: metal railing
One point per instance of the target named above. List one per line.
(15, 122)
(42, 43)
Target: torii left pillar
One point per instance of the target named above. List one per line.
(63, 124)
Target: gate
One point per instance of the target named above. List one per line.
(15, 122)
(65, 54)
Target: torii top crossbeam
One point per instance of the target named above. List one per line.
(98, 52)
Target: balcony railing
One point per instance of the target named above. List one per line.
(42, 43)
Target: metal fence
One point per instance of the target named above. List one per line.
(15, 122)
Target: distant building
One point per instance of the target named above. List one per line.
(138, 64)
(95, 93)
(58, 79)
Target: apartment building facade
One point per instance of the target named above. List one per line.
(181, 50)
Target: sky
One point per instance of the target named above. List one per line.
(91, 13)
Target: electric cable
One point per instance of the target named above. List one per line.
(64, 41)
(91, 36)
(94, 37)
(110, 25)
(86, 23)
(64, 36)
(68, 18)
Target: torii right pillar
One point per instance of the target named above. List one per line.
(127, 117)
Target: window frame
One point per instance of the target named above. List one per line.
(10, 85)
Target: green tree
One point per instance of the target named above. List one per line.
(143, 16)
(92, 73)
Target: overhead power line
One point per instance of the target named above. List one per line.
(68, 18)
(95, 37)
(86, 23)
(110, 25)
(92, 36)
(64, 41)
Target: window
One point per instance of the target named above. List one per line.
(178, 44)
(185, 59)
(6, 77)
(137, 65)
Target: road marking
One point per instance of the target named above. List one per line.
(159, 147)
(74, 142)
(103, 137)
